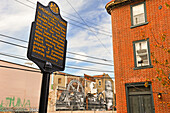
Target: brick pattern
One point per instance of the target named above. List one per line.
(123, 36)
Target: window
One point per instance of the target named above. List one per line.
(138, 15)
(99, 82)
(59, 80)
(142, 54)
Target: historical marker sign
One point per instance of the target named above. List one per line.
(47, 45)
(48, 38)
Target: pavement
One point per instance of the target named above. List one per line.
(84, 112)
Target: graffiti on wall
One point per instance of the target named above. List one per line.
(15, 102)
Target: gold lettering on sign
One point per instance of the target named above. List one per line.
(63, 35)
(61, 27)
(57, 28)
(61, 51)
(39, 13)
(57, 53)
(38, 52)
(45, 17)
(55, 31)
(50, 24)
(41, 26)
(57, 56)
(63, 31)
(38, 40)
(45, 11)
(60, 36)
(51, 32)
(44, 24)
(39, 36)
(54, 37)
(38, 48)
(40, 45)
(45, 32)
(56, 19)
(42, 19)
(38, 32)
(39, 21)
(60, 47)
(61, 41)
(63, 23)
(50, 42)
(52, 58)
(49, 36)
(53, 22)
(49, 45)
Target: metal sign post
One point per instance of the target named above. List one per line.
(47, 45)
(45, 89)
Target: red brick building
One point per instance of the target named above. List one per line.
(137, 25)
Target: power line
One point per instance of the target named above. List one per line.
(88, 27)
(66, 57)
(72, 20)
(88, 56)
(12, 44)
(19, 57)
(24, 4)
(65, 66)
(89, 61)
(10, 37)
(88, 69)
(73, 16)
(4, 54)
(19, 69)
(13, 38)
(55, 74)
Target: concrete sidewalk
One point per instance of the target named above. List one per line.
(84, 112)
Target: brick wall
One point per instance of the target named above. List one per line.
(123, 36)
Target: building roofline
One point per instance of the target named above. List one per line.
(117, 3)
(18, 64)
(65, 74)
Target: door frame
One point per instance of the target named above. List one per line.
(128, 85)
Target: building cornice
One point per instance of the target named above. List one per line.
(117, 3)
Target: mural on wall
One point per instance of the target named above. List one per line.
(88, 93)
(72, 97)
(109, 94)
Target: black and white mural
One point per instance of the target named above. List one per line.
(74, 96)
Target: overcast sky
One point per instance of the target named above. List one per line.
(16, 19)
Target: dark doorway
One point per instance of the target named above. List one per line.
(139, 98)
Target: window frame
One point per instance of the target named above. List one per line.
(148, 52)
(141, 24)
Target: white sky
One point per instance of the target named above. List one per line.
(16, 19)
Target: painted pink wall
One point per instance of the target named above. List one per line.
(20, 85)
